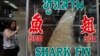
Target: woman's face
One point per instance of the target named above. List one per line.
(13, 25)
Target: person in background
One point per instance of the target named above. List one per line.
(10, 40)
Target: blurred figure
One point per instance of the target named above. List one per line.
(10, 40)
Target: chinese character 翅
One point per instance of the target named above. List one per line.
(87, 25)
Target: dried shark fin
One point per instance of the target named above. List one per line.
(62, 35)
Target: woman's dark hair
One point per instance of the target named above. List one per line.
(9, 25)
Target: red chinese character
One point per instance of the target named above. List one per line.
(36, 24)
(87, 25)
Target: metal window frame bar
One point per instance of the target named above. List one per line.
(98, 48)
(26, 24)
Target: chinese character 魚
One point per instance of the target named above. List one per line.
(36, 24)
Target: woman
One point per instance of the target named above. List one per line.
(10, 42)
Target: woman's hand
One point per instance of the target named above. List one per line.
(17, 28)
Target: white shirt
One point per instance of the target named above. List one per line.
(10, 43)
